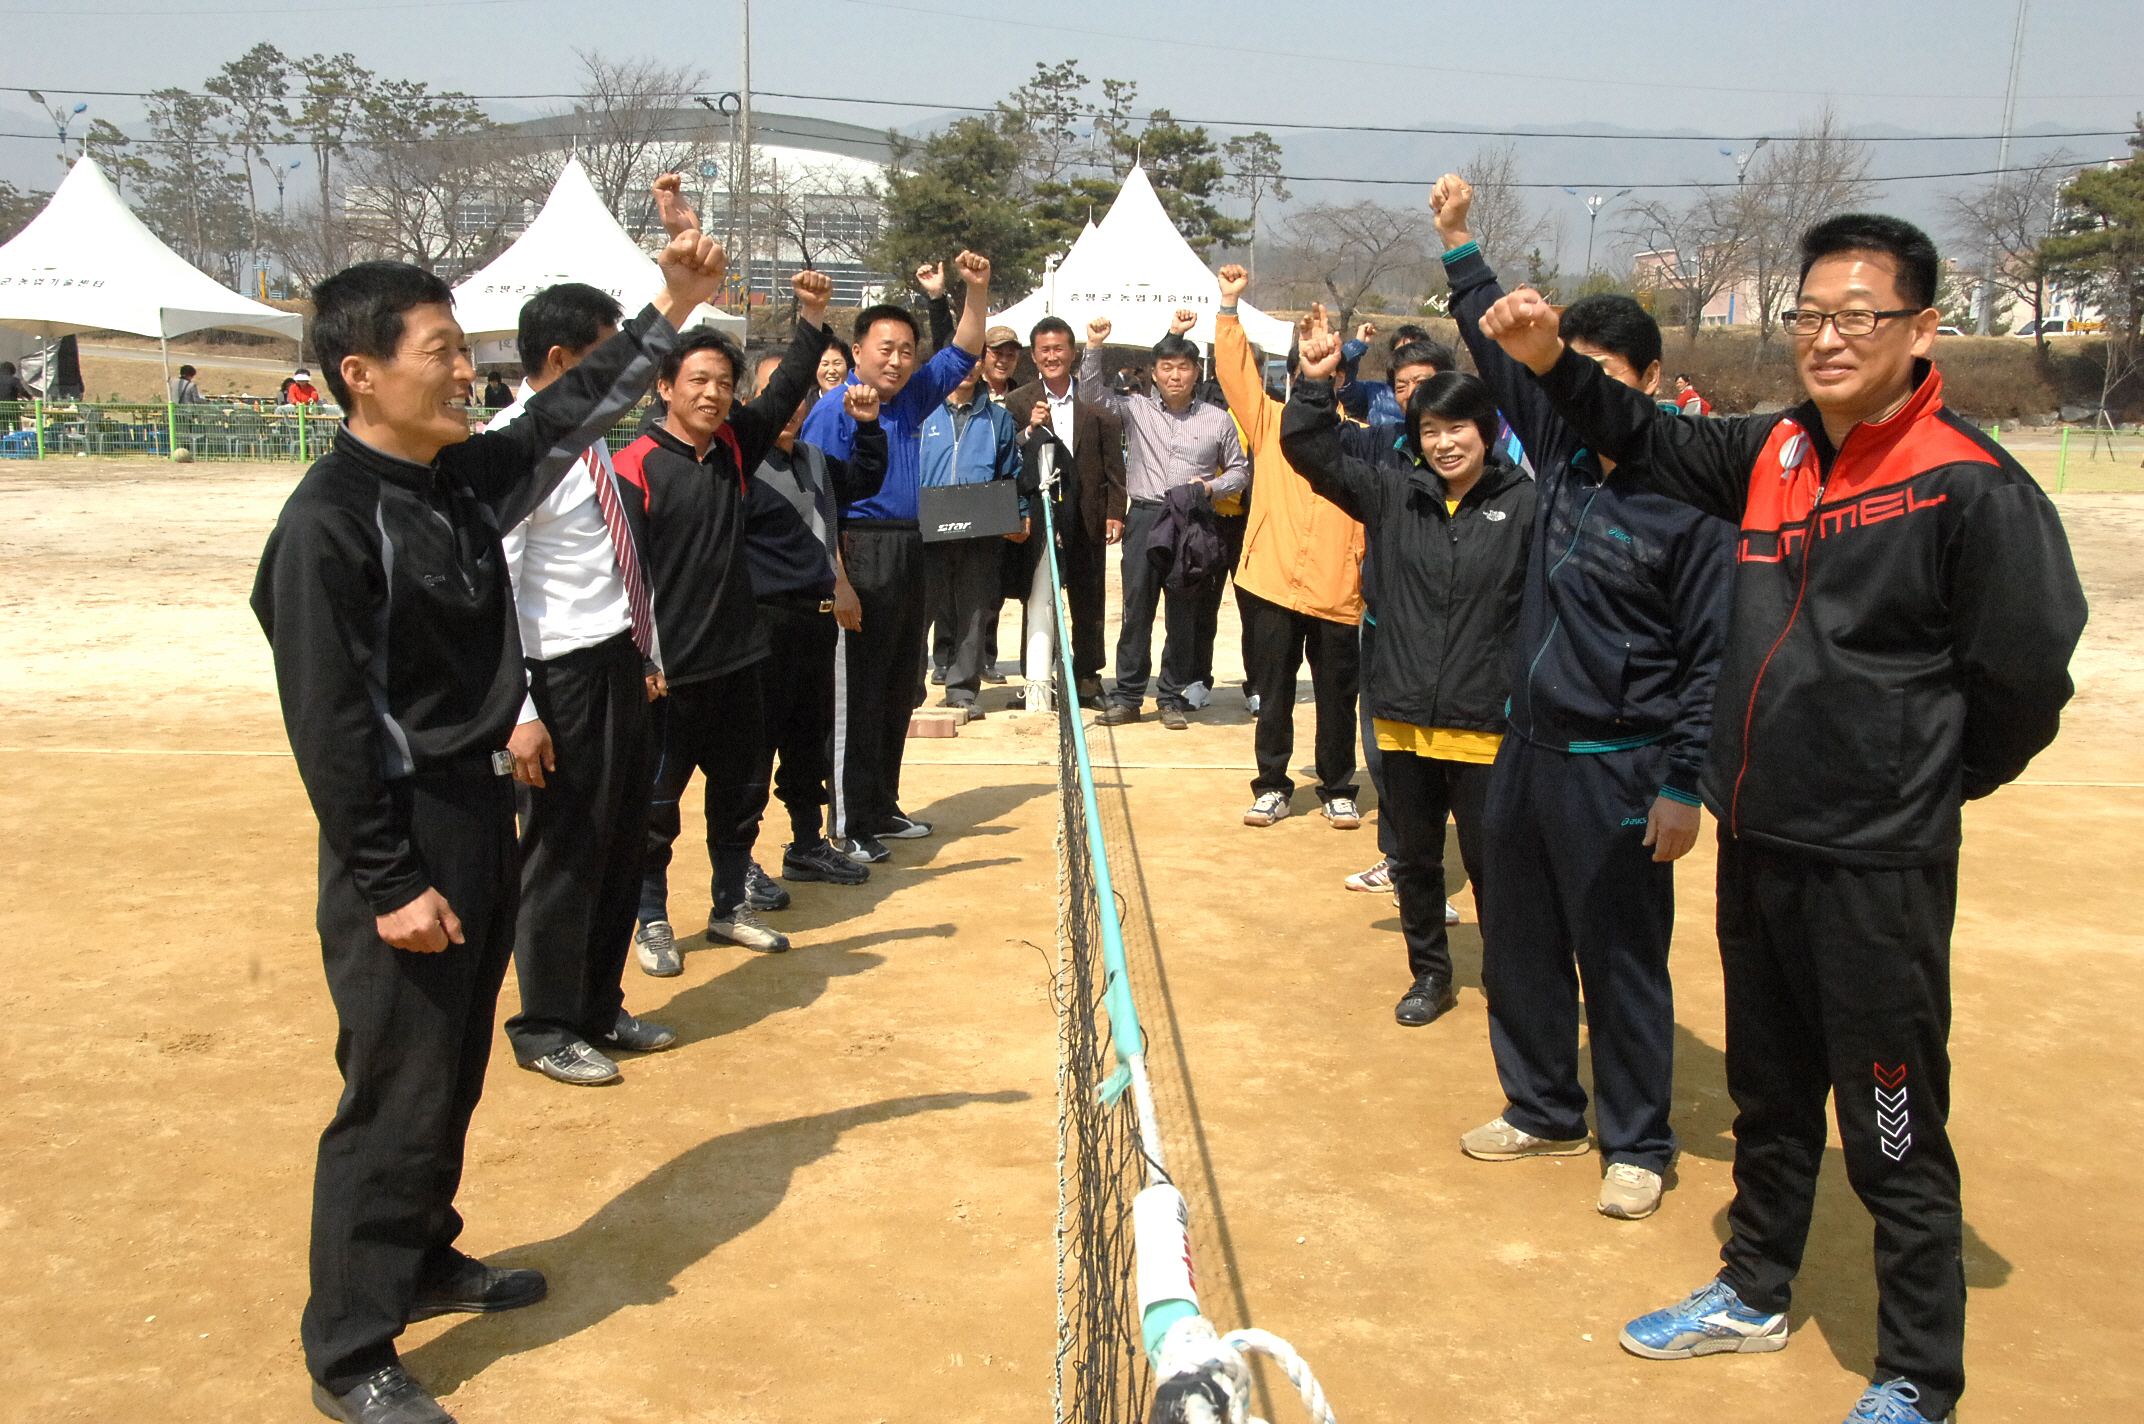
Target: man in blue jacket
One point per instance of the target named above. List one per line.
(1594, 794)
(882, 662)
(967, 440)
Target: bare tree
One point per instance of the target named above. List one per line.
(2001, 226)
(1698, 249)
(430, 182)
(1790, 187)
(1347, 252)
(641, 122)
(1502, 221)
(824, 213)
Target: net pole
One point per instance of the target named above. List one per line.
(1124, 1031)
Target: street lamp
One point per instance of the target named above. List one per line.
(1742, 159)
(62, 119)
(281, 174)
(1594, 203)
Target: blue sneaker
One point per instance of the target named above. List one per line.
(1712, 1322)
(1892, 1402)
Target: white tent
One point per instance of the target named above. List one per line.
(574, 239)
(1135, 268)
(86, 263)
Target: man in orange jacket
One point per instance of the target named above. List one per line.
(1298, 589)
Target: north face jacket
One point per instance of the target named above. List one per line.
(1448, 581)
(1905, 608)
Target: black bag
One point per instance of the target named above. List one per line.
(986, 509)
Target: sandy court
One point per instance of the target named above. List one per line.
(833, 1201)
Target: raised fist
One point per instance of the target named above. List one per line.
(974, 268)
(1320, 355)
(670, 205)
(1234, 279)
(1449, 202)
(1364, 332)
(931, 278)
(1526, 326)
(1039, 417)
(814, 290)
(693, 266)
(1183, 321)
(860, 401)
(1098, 331)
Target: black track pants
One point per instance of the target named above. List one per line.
(1838, 984)
(1421, 792)
(797, 693)
(879, 674)
(413, 1033)
(1276, 641)
(715, 727)
(583, 835)
(1574, 896)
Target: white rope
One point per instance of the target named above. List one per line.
(1205, 1378)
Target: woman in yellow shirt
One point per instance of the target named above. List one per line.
(1448, 533)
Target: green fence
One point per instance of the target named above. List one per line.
(41, 430)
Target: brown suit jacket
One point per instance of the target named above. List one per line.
(1098, 468)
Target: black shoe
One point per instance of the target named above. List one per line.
(864, 850)
(389, 1396)
(1116, 714)
(1426, 1001)
(637, 1036)
(1173, 719)
(937, 677)
(760, 891)
(991, 674)
(478, 1289)
(820, 861)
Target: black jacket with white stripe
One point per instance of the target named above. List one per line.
(384, 595)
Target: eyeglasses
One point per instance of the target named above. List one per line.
(1854, 321)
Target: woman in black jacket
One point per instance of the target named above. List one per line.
(1448, 534)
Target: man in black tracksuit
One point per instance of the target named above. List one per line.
(792, 522)
(1905, 609)
(1595, 789)
(684, 485)
(383, 592)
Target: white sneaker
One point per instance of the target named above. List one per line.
(1198, 695)
(743, 926)
(1451, 913)
(655, 946)
(1629, 1192)
(1343, 813)
(1377, 878)
(1270, 807)
(1498, 1141)
(1250, 703)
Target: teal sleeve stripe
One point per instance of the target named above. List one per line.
(1464, 249)
(1683, 796)
(1625, 745)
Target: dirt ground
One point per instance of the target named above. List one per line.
(833, 1201)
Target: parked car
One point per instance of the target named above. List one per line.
(1948, 331)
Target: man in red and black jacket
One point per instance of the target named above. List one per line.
(683, 484)
(1905, 608)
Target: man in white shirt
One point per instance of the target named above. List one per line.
(581, 748)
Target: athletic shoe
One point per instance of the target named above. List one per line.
(821, 861)
(1376, 880)
(741, 925)
(1629, 1192)
(655, 946)
(1116, 714)
(638, 1035)
(760, 891)
(1250, 703)
(1198, 695)
(1498, 1141)
(1713, 1321)
(1451, 912)
(1426, 1000)
(903, 828)
(864, 850)
(576, 1065)
(1173, 719)
(991, 674)
(1270, 806)
(1892, 1402)
(1343, 813)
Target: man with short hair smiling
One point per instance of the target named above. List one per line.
(1905, 608)
(882, 661)
(684, 487)
(1172, 440)
(384, 595)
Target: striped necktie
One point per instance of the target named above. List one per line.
(621, 543)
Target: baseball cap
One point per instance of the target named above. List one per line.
(1000, 336)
